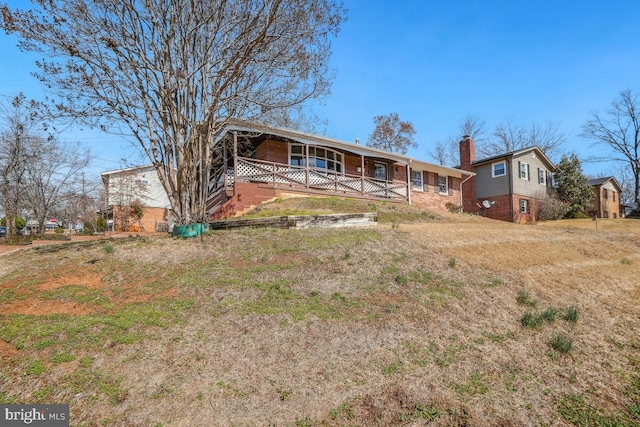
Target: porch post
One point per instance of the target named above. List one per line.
(362, 174)
(306, 165)
(409, 183)
(235, 160)
(225, 165)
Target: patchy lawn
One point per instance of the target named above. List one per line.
(443, 319)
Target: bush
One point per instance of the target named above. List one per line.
(562, 343)
(531, 320)
(571, 315)
(453, 208)
(525, 299)
(551, 208)
(550, 314)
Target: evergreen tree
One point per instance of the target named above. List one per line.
(571, 186)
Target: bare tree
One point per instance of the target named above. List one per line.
(392, 134)
(626, 180)
(172, 71)
(80, 203)
(508, 137)
(127, 194)
(473, 126)
(51, 172)
(447, 152)
(16, 148)
(619, 130)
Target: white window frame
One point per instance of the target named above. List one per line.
(542, 176)
(333, 160)
(446, 184)
(416, 184)
(493, 169)
(525, 206)
(523, 173)
(378, 166)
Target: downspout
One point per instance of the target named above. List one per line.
(409, 183)
(461, 195)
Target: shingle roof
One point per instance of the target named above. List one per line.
(599, 181)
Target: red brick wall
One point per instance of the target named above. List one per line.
(273, 151)
(352, 163)
(607, 205)
(247, 196)
(151, 217)
(467, 156)
(500, 210)
(431, 197)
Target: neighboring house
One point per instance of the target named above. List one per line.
(128, 190)
(509, 187)
(257, 163)
(625, 210)
(606, 198)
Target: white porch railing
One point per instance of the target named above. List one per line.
(301, 178)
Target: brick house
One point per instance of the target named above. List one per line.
(259, 163)
(606, 200)
(125, 189)
(254, 163)
(508, 187)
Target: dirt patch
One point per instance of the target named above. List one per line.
(40, 307)
(7, 350)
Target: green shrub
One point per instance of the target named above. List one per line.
(453, 208)
(531, 320)
(525, 299)
(562, 343)
(550, 314)
(571, 315)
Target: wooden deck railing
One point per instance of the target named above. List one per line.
(301, 179)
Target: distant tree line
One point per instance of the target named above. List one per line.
(41, 178)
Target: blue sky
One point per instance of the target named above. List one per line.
(434, 62)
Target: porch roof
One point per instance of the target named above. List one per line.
(362, 150)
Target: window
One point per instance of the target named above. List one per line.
(613, 194)
(416, 179)
(524, 206)
(380, 171)
(498, 169)
(542, 176)
(319, 158)
(606, 194)
(524, 170)
(442, 184)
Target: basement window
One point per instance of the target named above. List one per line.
(524, 206)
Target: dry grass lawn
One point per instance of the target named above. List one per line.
(416, 321)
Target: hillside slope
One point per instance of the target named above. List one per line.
(397, 324)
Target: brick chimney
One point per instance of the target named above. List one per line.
(467, 153)
(467, 156)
